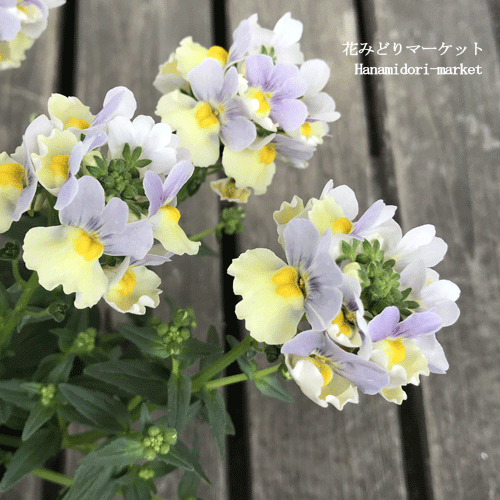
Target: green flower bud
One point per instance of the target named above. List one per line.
(146, 473)
(146, 442)
(165, 449)
(170, 436)
(153, 431)
(149, 454)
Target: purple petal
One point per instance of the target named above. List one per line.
(281, 75)
(153, 189)
(369, 217)
(289, 113)
(293, 151)
(242, 37)
(294, 87)
(93, 140)
(67, 193)
(28, 193)
(39, 126)
(135, 241)
(9, 23)
(114, 217)
(119, 101)
(206, 80)
(230, 85)
(87, 205)
(238, 133)
(306, 343)
(177, 177)
(301, 241)
(8, 3)
(258, 70)
(382, 325)
(418, 324)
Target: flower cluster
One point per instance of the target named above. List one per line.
(21, 23)
(368, 292)
(104, 208)
(260, 99)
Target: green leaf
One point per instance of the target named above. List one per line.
(61, 372)
(147, 339)
(188, 485)
(145, 418)
(5, 411)
(270, 386)
(193, 349)
(13, 392)
(99, 408)
(137, 491)
(92, 482)
(120, 452)
(213, 339)
(38, 416)
(179, 398)
(138, 377)
(181, 450)
(216, 409)
(40, 447)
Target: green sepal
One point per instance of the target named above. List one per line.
(38, 416)
(138, 377)
(271, 387)
(41, 446)
(179, 398)
(105, 412)
(217, 416)
(10, 251)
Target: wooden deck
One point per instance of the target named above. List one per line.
(428, 143)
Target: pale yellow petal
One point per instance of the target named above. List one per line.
(227, 190)
(189, 55)
(69, 112)
(325, 213)
(269, 316)
(54, 254)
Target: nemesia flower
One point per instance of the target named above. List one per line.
(403, 349)
(253, 167)
(274, 91)
(10, 23)
(156, 140)
(227, 190)
(291, 151)
(12, 53)
(163, 216)
(276, 294)
(282, 41)
(68, 254)
(70, 113)
(328, 374)
(217, 111)
(132, 286)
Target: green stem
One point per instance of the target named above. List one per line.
(17, 274)
(53, 477)
(200, 236)
(176, 367)
(22, 303)
(211, 371)
(241, 377)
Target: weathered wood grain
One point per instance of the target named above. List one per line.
(25, 90)
(123, 44)
(302, 450)
(445, 137)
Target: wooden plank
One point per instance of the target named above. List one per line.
(445, 137)
(303, 450)
(25, 90)
(124, 45)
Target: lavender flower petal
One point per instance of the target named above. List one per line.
(206, 79)
(381, 326)
(238, 133)
(153, 189)
(135, 240)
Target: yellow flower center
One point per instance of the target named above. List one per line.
(60, 166)
(14, 175)
(267, 154)
(0, 56)
(88, 246)
(78, 123)
(218, 53)
(264, 109)
(20, 7)
(287, 283)
(395, 351)
(305, 129)
(127, 283)
(205, 116)
(171, 212)
(341, 322)
(324, 367)
(341, 226)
